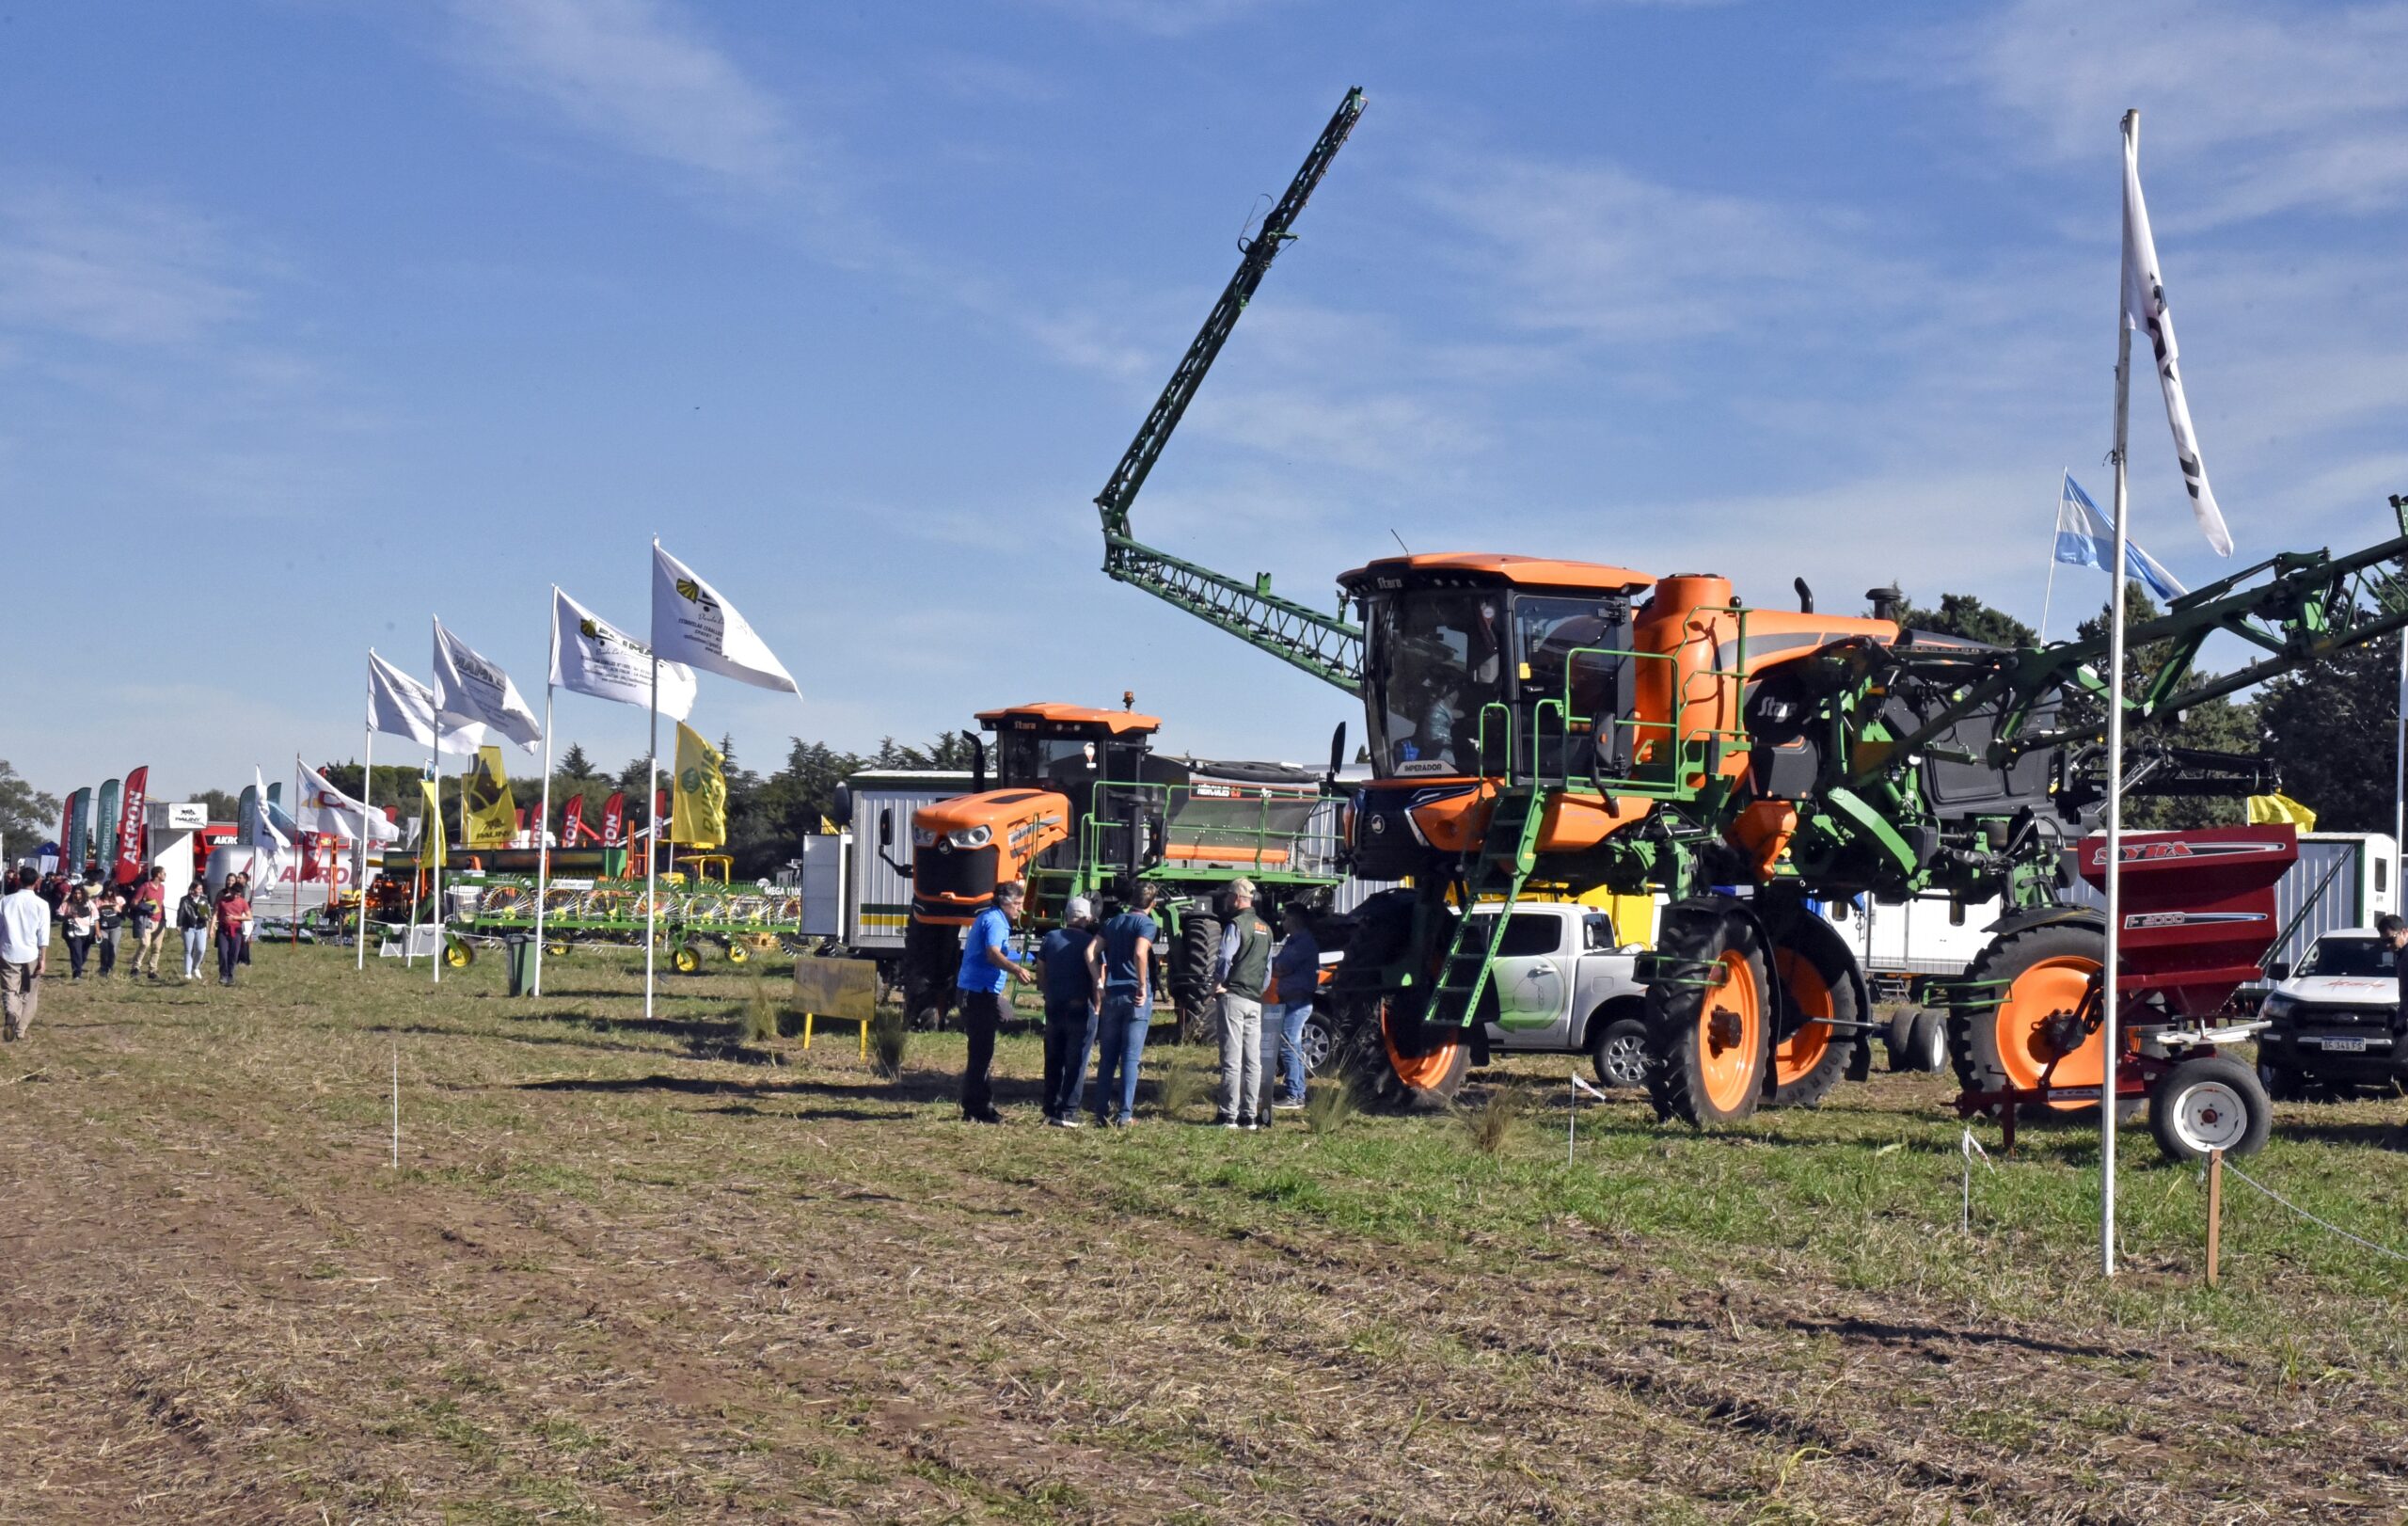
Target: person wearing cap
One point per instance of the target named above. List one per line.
(1072, 956)
(1239, 978)
(987, 969)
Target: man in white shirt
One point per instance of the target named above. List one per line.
(24, 948)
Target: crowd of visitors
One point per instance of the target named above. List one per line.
(93, 917)
(1099, 985)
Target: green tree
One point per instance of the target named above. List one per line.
(2331, 729)
(28, 817)
(1962, 614)
(220, 806)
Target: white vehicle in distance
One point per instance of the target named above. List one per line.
(2333, 1023)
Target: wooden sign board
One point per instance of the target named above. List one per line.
(846, 988)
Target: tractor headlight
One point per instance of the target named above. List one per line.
(977, 837)
(923, 837)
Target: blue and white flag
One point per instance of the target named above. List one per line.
(2086, 539)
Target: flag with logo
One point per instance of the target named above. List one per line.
(400, 705)
(2145, 311)
(692, 625)
(103, 841)
(78, 841)
(573, 822)
(2086, 539)
(325, 808)
(698, 813)
(614, 820)
(470, 690)
(591, 655)
(491, 815)
(432, 837)
(133, 830)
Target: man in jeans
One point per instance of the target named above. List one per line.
(1072, 960)
(987, 968)
(24, 951)
(1239, 976)
(1129, 967)
(1295, 980)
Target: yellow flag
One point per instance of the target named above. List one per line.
(430, 833)
(698, 810)
(493, 816)
(2266, 810)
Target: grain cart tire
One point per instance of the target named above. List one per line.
(931, 962)
(1928, 1043)
(1191, 977)
(2207, 1105)
(1709, 1015)
(2039, 974)
(1897, 1037)
(1820, 1002)
(1618, 1049)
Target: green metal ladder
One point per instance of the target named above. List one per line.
(1496, 871)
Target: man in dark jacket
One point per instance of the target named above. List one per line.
(1072, 956)
(1239, 976)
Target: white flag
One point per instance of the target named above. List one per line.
(591, 655)
(691, 624)
(468, 689)
(325, 808)
(2144, 310)
(269, 836)
(400, 705)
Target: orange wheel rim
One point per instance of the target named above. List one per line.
(2052, 986)
(1422, 1072)
(1795, 1057)
(1731, 1033)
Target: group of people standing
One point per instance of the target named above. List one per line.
(94, 917)
(1099, 983)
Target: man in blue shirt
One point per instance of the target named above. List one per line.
(1295, 978)
(987, 968)
(1129, 968)
(1072, 960)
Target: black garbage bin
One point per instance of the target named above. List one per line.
(518, 950)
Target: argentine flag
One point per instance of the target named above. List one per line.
(2086, 539)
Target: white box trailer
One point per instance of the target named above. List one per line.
(2342, 879)
(852, 896)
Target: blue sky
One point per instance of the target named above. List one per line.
(318, 318)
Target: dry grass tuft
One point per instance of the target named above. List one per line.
(1490, 1125)
(890, 1033)
(758, 1022)
(1185, 1083)
(1330, 1105)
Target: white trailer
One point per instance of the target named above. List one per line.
(2342, 879)
(852, 897)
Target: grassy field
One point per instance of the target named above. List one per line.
(655, 1270)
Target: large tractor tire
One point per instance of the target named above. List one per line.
(2043, 972)
(1394, 1061)
(1822, 998)
(931, 964)
(1191, 977)
(1709, 1016)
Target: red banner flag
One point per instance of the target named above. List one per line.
(614, 821)
(132, 829)
(573, 822)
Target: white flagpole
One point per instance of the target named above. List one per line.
(2113, 1030)
(651, 832)
(544, 820)
(417, 868)
(359, 875)
(2048, 596)
(2400, 765)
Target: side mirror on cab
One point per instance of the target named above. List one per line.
(886, 828)
(2279, 971)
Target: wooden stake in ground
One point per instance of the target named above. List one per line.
(2215, 1213)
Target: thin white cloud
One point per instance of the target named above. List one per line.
(121, 268)
(1164, 18)
(635, 73)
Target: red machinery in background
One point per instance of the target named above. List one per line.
(2198, 913)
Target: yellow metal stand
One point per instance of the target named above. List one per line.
(810, 1018)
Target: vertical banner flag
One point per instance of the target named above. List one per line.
(273, 794)
(590, 655)
(469, 690)
(614, 820)
(133, 830)
(325, 808)
(492, 814)
(699, 818)
(400, 705)
(103, 827)
(573, 822)
(692, 625)
(246, 817)
(2086, 539)
(2144, 310)
(79, 831)
(430, 849)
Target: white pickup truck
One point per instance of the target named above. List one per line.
(1559, 985)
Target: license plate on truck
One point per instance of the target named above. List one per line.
(2344, 1046)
